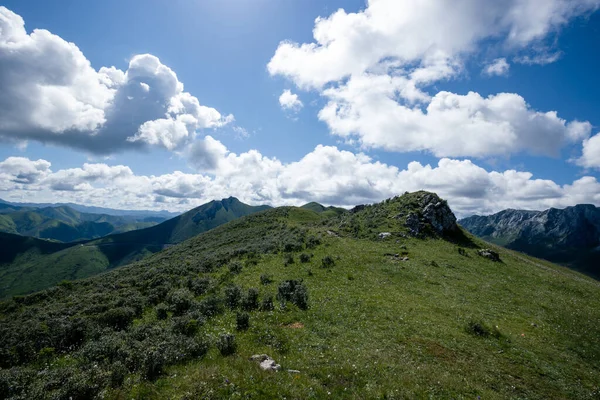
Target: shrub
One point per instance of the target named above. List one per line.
(288, 259)
(162, 311)
(267, 304)
(304, 258)
(210, 306)
(233, 294)
(235, 267)
(292, 246)
(180, 301)
(199, 286)
(242, 321)
(327, 262)
(185, 326)
(250, 300)
(265, 279)
(293, 291)
(312, 242)
(226, 344)
(118, 372)
(117, 318)
(478, 328)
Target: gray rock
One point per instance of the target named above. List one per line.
(384, 235)
(266, 363)
(413, 224)
(440, 217)
(489, 254)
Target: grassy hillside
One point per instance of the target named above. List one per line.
(26, 271)
(66, 224)
(325, 297)
(321, 209)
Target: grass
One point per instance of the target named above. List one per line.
(400, 329)
(440, 325)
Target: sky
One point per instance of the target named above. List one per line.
(168, 105)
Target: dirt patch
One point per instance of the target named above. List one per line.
(295, 325)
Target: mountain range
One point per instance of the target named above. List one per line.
(569, 236)
(389, 300)
(34, 264)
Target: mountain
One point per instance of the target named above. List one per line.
(95, 210)
(66, 224)
(328, 211)
(391, 300)
(569, 236)
(28, 272)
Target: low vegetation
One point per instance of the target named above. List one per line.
(446, 323)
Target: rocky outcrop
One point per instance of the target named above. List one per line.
(489, 254)
(435, 213)
(266, 363)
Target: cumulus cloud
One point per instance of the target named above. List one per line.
(375, 68)
(591, 152)
(290, 101)
(451, 125)
(498, 67)
(327, 175)
(51, 93)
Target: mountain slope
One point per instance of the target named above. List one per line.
(67, 225)
(79, 260)
(321, 209)
(353, 320)
(570, 236)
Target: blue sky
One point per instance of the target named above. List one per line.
(385, 96)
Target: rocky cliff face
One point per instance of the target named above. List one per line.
(570, 236)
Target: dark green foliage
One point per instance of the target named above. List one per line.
(180, 301)
(226, 344)
(266, 279)
(199, 286)
(462, 252)
(117, 318)
(162, 311)
(305, 258)
(242, 321)
(186, 325)
(233, 295)
(235, 267)
(293, 291)
(478, 328)
(118, 372)
(312, 242)
(267, 303)
(211, 306)
(250, 300)
(288, 259)
(327, 262)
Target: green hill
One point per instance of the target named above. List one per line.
(391, 300)
(65, 224)
(27, 272)
(321, 209)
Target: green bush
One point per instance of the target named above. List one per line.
(226, 344)
(233, 295)
(267, 303)
(312, 242)
(293, 291)
(304, 258)
(265, 279)
(235, 267)
(288, 260)
(327, 262)
(199, 286)
(162, 311)
(250, 300)
(210, 306)
(180, 301)
(242, 321)
(117, 318)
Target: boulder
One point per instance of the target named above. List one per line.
(413, 224)
(384, 235)
(489, 254)
(440, 217)
(266, 363)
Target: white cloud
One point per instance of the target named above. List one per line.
(591, 152)
(51, 93)
(290, 101)
(498, 67)
(375, 68)
(451, 125)
(327, 175)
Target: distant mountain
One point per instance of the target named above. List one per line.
(29, 270)
(570, 236)
(321, 209)
(66, 224)
(95, 210)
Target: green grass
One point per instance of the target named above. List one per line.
(440, 325)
